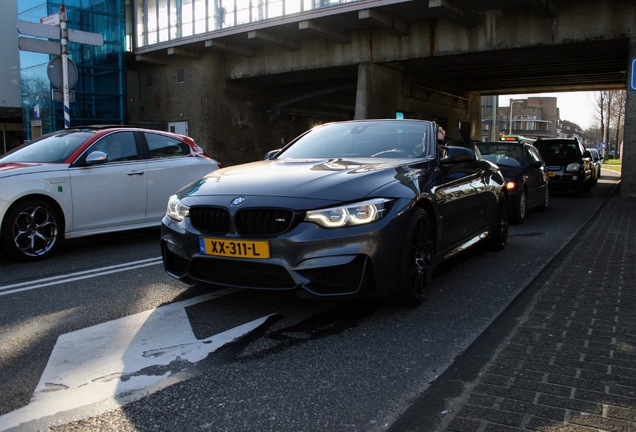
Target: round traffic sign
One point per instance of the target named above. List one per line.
(54, 72)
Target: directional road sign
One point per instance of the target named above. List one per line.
(39, 46)
(53, 32)
(83, 37)
(41, 30)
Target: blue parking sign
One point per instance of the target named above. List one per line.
(632, 80)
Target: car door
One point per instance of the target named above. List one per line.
(461, 196)
(111, 193)
(170, 167)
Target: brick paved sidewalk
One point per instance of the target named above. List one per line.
(568, 357)
(571, 363)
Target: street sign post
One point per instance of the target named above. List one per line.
(48, 28)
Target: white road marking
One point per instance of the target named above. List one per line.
(105, 363)
(72, 277)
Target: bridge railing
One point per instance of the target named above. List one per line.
(164, 21)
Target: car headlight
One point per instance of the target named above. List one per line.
(350, 214)
(176, 209)
(510, 185)
(572, 167)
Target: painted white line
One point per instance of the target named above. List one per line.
(110, 360)
(72, 277)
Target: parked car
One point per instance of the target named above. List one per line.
(90, 180)
(569, 164)
(525, 173)
(596, 164)
(356, 208)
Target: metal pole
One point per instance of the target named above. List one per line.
(511, 102)
(64, 44)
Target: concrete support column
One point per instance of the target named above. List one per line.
(628, 176)
(379, 93)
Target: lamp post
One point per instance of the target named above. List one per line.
(512, 101)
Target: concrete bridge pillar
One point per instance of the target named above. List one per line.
(379, 93)
(628, 176)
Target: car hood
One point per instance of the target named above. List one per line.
(328, 179)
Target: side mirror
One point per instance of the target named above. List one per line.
(458, 155)
(271, 154)
(534, 164)
(96, 157)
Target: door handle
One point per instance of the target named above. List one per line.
(136, 173)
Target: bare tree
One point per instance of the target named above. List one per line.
(619, 116)
(598, 104)
(609, 113)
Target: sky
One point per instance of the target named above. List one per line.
(576, 107)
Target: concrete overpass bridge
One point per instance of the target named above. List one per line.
(242, 87)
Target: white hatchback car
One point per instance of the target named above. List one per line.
(91, 180)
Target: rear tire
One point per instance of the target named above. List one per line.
(416, 264)
(30, 230)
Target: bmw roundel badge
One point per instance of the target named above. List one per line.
(238, 201)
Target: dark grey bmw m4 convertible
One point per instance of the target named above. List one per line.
(357, 208)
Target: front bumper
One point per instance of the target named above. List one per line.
(313, 261)
(559, 180)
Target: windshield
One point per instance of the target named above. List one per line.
(558, 149)
(379, 139)
(52, 148)
(502, 154)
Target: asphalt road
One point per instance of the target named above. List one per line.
(101, 318)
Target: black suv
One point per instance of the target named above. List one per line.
(569, 164)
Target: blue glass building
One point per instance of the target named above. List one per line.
(99, 93)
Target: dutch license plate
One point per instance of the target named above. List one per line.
(551, 174)
(235, 248)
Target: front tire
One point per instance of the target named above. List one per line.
(499, 236)
(521, 207)
(579, 190)
(416, 266)
(546, 200)
(30, 230)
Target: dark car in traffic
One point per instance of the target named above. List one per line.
(569, 164)
(355, 208)
(596, 164)
(525, 173)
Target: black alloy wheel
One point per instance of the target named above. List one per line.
(30, 230)
(416, 265)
